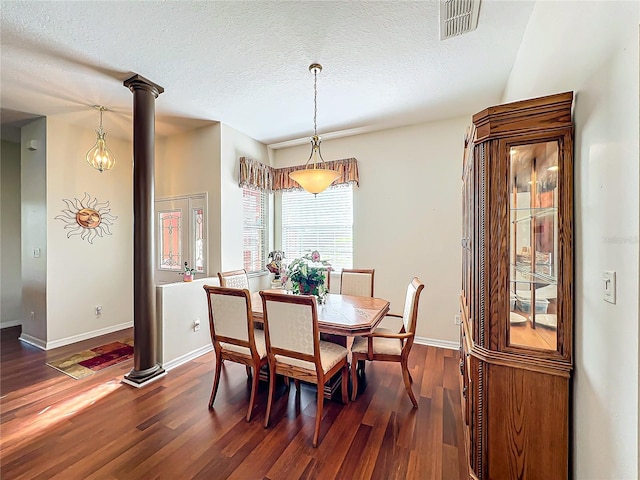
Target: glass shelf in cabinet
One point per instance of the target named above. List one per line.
(536, 277)
(523, 214)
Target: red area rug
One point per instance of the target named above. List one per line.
(87, 362)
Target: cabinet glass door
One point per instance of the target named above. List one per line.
(533, 245)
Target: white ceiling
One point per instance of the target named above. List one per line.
(245, 63)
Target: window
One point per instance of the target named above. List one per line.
(170, 240)
(180, 236)
(322, 222)
(255, 229)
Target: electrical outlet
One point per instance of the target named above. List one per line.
(98, 310)
(33, 316)
(456, 319)
(196, 324)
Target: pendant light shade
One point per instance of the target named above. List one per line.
(315, 179)
(99, 156)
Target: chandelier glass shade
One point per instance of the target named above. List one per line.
(99, 156)
(312, 178)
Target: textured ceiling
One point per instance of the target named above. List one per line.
(245, 63)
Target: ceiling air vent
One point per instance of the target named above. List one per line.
(458, 17)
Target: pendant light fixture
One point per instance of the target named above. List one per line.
(311, 178)
(100, 157)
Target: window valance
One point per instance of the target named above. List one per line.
(254, 174)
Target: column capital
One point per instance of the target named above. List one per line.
(138, 82)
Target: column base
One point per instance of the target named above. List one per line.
(142, 378)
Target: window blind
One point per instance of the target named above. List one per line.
(255, 229)
(322, 222)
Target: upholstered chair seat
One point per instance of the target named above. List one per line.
(381, 345)
(385, 345)
(330, 355)
(261, 347)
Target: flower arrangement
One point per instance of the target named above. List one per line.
(275, 263)
(307, 274)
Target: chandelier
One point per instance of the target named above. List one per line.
(312, 178)
(100, 157)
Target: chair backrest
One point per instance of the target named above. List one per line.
(410, 314)
(357, 282)
(291, 325)
(234, 279)
(230, 316)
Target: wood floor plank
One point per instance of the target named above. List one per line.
(392, 458)
(55, 427)
(353, 461)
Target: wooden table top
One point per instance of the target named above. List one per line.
(340, 315)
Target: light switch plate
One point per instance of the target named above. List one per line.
(609, 286)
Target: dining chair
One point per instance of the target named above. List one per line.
(357, 282)
(233, 336)
(385, 345)
(294, 348)
(234, 279)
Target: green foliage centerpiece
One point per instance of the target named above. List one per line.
(308, 275)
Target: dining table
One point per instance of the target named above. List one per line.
(339, 318)
(339, 315)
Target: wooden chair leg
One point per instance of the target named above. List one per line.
(410, 377)
(296, 382)
(407, 383)
(345, 383)
(254, 389)
(216, 379)
(272, 383)
(361, 364)
(248, 368)
(354, 379)
(316, 433)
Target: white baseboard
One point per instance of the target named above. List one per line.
(187, 357)
(36, 342)
(434, 342)
(10, 323)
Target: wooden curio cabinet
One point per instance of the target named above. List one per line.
(516, 354)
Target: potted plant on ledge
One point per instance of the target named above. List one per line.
(188, 273)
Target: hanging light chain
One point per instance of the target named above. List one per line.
(315, 101)
(314, 179)
(101, 109)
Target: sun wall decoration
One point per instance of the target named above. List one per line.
(87, 218)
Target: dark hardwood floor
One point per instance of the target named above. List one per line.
(53, 426)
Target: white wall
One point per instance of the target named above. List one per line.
(234, 145)
(407, 214)
(34, 232)
(179, 306)
(206, 160)
(187, 164)
(10, 238)
(83, 275)
(592, 49)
